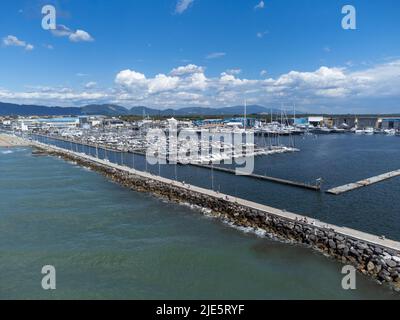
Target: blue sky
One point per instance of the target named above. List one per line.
(211, 53)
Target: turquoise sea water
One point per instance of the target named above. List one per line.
(109, 242)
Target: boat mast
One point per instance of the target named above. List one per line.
(245, 115)
(294, 113)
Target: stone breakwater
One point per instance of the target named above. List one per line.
(378, 261)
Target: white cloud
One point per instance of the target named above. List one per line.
(261, 34)
(190, 76)
(61, 31)
(53, 96)
(80, 36)
(183, 5)
(198, 81)
(13, 41)
(162, 83)
(263, 73)
(216, 55)
(29, 47)
(375, 88)
(73, 36)
(189, 69)
(233, 71)
(134, 81)
(323, 86)
(130, 78)
(91, 85)
(186, 96)
(260, 5)
(231, 80)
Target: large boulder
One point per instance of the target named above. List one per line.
(370, 266)
(391, 263)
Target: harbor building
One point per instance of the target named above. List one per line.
(6, 124)
(316, 121)
(390, 123)
(31, 124)
(364, 122)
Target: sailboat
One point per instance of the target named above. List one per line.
(245, 115)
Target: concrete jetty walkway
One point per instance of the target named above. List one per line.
(292, 217)
(363, 183)
(261, 177)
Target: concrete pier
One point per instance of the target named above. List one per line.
(261, 177)
(371, 255)
(363, 183)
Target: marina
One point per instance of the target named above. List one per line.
(206, 163)
(327, 151)
(215, 190)
(200, 151)
(121, 156)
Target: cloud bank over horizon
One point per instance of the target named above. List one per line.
(327, 89)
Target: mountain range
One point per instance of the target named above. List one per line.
(9, 109)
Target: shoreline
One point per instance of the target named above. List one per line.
(370, 255)
(8, 141)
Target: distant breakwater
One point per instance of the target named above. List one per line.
(376, 260)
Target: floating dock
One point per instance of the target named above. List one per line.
(363, 183)
(261, 177)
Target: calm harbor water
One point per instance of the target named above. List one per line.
(109, 242)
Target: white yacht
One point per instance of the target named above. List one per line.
(390, 132)
(369, 131)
